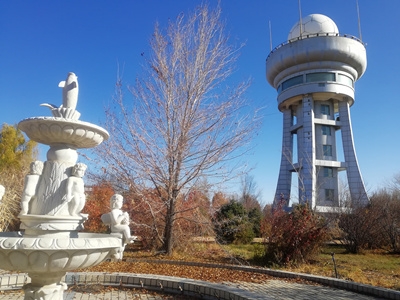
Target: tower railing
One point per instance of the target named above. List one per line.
(315, 35)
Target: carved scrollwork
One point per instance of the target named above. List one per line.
(90, 241)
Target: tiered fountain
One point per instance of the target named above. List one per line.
(49, 243)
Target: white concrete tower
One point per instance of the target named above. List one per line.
(314, 73)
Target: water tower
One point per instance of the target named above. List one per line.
(314, 74)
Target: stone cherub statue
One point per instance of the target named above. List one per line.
(31, 182)
(75, 190)
(118, 220)
(70, 99)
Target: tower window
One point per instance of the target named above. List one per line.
(328, 172)
(325, 109)
(329, 194)
(320, 76)
(292, 81)
(345, 80)
(326, 130)
(327, 150)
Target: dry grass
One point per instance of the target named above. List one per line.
(375, 268)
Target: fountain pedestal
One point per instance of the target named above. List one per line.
(43, 286)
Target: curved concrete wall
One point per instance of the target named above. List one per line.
(313, 52)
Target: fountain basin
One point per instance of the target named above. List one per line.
(53, 131)
(39, 225)
(46, 255)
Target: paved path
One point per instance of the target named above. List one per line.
(283, 290)
(273, 289)
(120, 295)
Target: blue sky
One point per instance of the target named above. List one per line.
(41, 41)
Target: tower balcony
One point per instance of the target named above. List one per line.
(316, 52)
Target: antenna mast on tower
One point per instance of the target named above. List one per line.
(359, 23)
(301, 21)
(270, 36)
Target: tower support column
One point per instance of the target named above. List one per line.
(306, 153)
(355, 182)
(285, 176)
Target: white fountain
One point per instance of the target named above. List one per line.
(49, 243)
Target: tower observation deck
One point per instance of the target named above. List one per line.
(314, 74)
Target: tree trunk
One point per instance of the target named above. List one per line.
(169, 227)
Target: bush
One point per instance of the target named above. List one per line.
(374, 226)
(97, 204)
(387, 203)
(232, 224)
(294, 237)
(358, 226)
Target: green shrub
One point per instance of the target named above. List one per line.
(233, 225)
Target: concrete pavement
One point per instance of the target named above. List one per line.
(157, 287)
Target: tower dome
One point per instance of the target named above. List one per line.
(313, 24)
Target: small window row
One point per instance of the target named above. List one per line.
(316, 77)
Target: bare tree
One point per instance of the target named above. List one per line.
(249, 194)
(386, 203)
(183, 123)
(394, 184)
